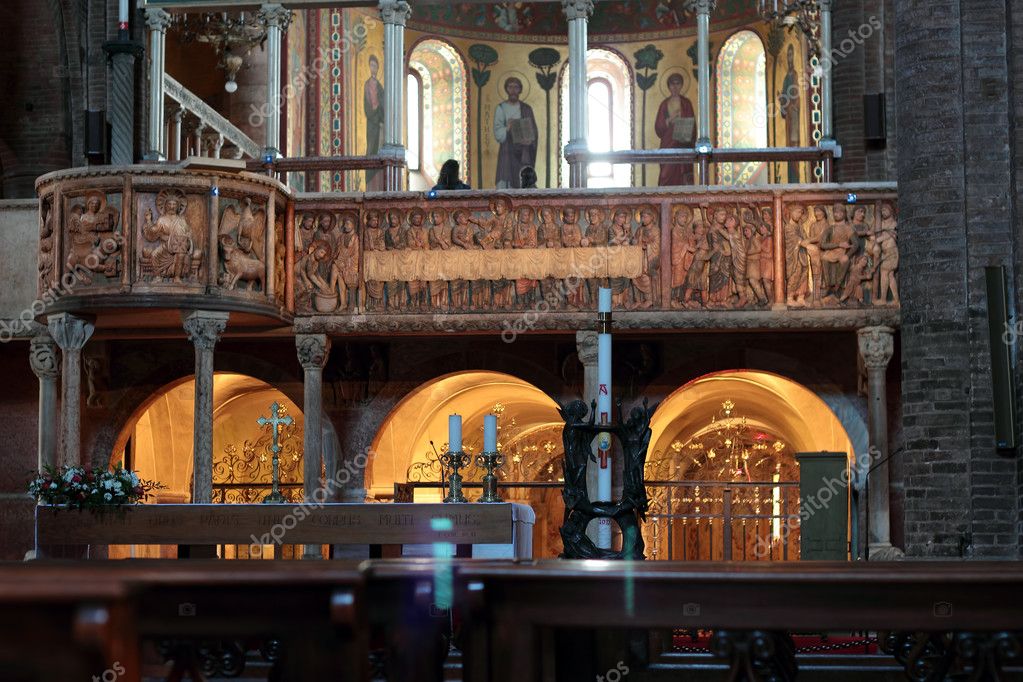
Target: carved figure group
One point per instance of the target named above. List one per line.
(242, 236)
(840, 257)
(327, 267)
(722, 256)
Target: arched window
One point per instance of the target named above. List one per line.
(742, 105)
(609, 116)
(414, 122)
(443, 114)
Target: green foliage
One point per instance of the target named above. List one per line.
(544, 58)
(646, 82)
(648, 58)
(483, 54)
(775, 40)
(480, 78)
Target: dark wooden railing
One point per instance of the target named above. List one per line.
(528, 621)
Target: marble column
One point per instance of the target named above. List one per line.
(313, 351)
(71, 333)
(204, 328)
(45, 365)
(876, 347)
(703, 144)
(174, 153)
(394, 14)
(276, 19)
(157, 21)
(578, 13)
(200, 134)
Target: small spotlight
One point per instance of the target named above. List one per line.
(850, 198)
(268, 159)
(214, 191)
(432, 194)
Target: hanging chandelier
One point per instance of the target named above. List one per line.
(233, 38)
(802, 14)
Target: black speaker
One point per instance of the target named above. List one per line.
(96, 148)
(874, 118)
(1003, 337)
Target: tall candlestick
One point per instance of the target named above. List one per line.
(122, 16)
(490, 433)
(455, 433)
(604, 410)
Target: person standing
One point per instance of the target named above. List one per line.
(515, 132)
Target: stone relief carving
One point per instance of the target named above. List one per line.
(94, 238)
(45, 243)
(242, 238)
(171, 251)
(327, 270)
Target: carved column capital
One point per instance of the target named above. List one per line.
(204, 327)
(70, 331)
(701, 6)
(313, 350)
(43, 357)
(394, 11)
(876, 346)
(157, 19)
(586, 347)
(275, 16)
(577, 9)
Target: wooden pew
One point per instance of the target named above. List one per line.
(313, 609)
(510, 608)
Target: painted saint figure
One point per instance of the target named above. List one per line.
(515, 130)
(676, 127)
(373, 104)
(789, 107)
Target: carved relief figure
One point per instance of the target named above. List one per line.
(753, 236)
(525, 237)
(683, 247)
(888, 257)
(440, 240)
(242, 245)
(697, 276)
(312, 271)
(45, 244)
(94, 246)
(178, 256)
(572, 237)
(736, 242)
(374, 241)
(719, 275)
(496, 233)
(306, 230)
(811, 245)
(418, 239)
(766, 232)
(463, 237)
(620, 235)
(648, 236)
(597, 234)
(836, 243)
(795, 267)
(344, 270)
(395, 240)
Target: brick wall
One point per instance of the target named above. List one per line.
(955, 218)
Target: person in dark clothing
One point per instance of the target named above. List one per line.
(527, 177)
(449, 178)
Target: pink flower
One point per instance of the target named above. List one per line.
(76, 479)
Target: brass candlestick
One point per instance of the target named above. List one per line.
(491, 461)
(455, 461)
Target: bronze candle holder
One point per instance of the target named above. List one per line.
(490, 461)
(455, 461)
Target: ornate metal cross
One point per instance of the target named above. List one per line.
(275, 421)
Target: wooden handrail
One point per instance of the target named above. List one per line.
(325, 163)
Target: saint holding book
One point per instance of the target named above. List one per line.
(515, 131)
(676, 127)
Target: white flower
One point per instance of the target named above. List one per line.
(53, 486)
(107, 497)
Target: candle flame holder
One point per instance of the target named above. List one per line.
(455, 461)
(491, 461)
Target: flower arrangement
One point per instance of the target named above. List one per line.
(79, 488)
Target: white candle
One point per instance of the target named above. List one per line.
(490, 433)
(604, 413)
(455, 433)
(122, 16)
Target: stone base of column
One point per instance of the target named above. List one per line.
(885, 552)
